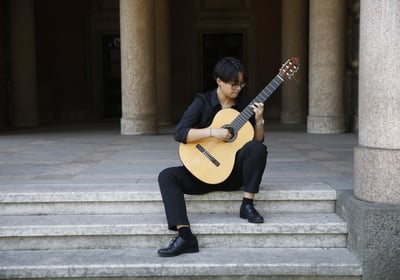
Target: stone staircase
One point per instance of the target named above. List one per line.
(114, 231)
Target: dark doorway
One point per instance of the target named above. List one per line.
(216, 46)
(112, 76)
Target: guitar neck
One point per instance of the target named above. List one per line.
(248, 112)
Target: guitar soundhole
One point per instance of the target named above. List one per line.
(232, 132)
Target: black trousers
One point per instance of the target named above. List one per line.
(176, 181)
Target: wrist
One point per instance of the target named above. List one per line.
(260, 123)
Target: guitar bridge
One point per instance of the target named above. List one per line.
(207, 155)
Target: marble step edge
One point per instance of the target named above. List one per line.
(31, 193)
(145, 224)
(213, 262)
(141, 207)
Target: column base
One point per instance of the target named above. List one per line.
(377, 175)
(138, 126)
(374, 235)
(325, 124)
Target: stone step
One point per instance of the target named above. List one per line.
(96, 198)
(150, 231)
(209, 263)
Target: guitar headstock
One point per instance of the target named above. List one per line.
(289, 68)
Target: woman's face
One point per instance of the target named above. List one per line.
(232, 89)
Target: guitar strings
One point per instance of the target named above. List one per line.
(246, 114)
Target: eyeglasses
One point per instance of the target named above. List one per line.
(237, 86)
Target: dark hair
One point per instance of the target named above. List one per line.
(228, 68)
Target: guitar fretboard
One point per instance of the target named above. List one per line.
(248, 112)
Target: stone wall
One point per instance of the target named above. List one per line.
(374, 235)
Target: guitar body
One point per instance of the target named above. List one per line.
(211, 160)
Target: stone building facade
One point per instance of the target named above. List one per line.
(142, 61)
(110, 59)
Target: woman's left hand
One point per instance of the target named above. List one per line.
(258, 109)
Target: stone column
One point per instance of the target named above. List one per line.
(138, 74)
(23, 63)
(163, 61)
(295, 43)
(373, 213)
(326, 66)
(377, 158)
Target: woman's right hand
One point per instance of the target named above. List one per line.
(221, 133)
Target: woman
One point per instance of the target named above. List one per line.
(250, 161)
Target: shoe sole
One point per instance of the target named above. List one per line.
(254, 222)
(189, 251)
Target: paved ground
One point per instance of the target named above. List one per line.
(98, 153)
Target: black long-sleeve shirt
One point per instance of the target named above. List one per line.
(202, 111)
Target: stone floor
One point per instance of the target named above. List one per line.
(97, 152)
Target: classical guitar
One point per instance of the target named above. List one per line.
(211, 160)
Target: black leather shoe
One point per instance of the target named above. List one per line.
(178, 246)
(251, 214)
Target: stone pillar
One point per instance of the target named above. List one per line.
(23, 64)
(377, 158)
(138, 74)
(326, 66)
(373, 213)
(295, 43)
(163, 61)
